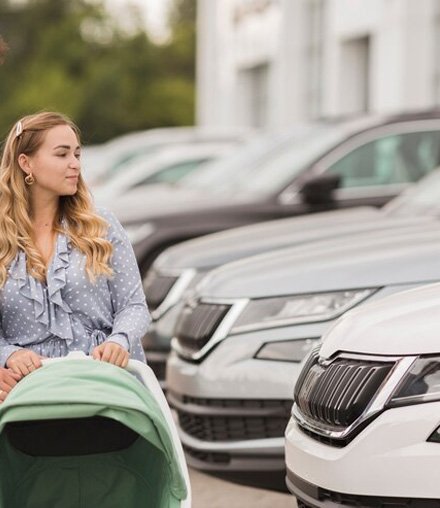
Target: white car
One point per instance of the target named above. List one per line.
(365, 426)
(107, 159)
(166, 165)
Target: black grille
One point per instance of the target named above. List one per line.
(195, 326)
(158, 367)
(217, 428)
(283, 405)
(156, 288)
(336, 395)
(231, 419)
(352, 500)
(209, 457)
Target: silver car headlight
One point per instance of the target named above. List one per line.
(286, 350)
(137, 232)
(420, 384)
(295, 309)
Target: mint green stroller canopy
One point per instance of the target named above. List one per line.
(79, 433)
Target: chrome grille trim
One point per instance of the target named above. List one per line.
(220, 333)
(183, 279)
(327, 428)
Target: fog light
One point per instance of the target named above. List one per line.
(286, 350)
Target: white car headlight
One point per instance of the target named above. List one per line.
(420, 384)
(295, 309)
(286, 350)
(137, 232)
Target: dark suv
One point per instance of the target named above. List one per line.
(330, 165)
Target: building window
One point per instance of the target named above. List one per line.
(313, 60)
(253, 85)
(436, 63)
(354, 78)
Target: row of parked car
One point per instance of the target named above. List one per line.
(241, 309)
(240, 335)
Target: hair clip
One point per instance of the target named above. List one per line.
(18, 129)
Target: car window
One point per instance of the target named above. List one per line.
(398, 158)
(172, 173)
(268, 167)
(126, 158)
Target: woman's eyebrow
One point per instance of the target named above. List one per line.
(66, 147)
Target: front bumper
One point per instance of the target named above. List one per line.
(390, 459)
(311, 496)
(252, 455)
(233, 409)
(220, 436)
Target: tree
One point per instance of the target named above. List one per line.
(3, 50)
(69, 55)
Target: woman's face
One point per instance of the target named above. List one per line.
(55, 166)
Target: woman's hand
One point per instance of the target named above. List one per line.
(23, 362)
(8, 379)
(111, 352)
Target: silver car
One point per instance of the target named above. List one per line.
(241, 336)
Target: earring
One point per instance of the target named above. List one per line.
(29, 179)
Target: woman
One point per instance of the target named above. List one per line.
(68, 276)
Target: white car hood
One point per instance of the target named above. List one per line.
(406, 323)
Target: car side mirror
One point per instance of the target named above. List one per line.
(319, 189)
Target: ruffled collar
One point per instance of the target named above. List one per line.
(49, 307)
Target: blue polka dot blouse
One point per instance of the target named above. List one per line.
(69, 312)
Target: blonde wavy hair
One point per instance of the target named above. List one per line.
(76, 215)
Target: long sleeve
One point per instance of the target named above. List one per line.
(131, 316)
(6, 349)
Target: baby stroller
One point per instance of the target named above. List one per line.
(79, 433)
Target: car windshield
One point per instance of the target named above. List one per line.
(124, 161)
(420, 199)
(268, 164)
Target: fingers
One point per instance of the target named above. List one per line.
(97, 353)
(19, 367)
(36, 360)
(13, 375)
(122, 358)
(125, 359)
(7, 383)
(23, 362)
(107, 351)
(8, 379)
(113, 353)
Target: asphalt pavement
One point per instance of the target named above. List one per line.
(209, 492)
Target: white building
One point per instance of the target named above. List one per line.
(270, 63)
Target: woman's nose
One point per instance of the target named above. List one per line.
(75, 163)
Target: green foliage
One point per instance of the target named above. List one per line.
(70, 56)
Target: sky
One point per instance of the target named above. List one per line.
(154, 14)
